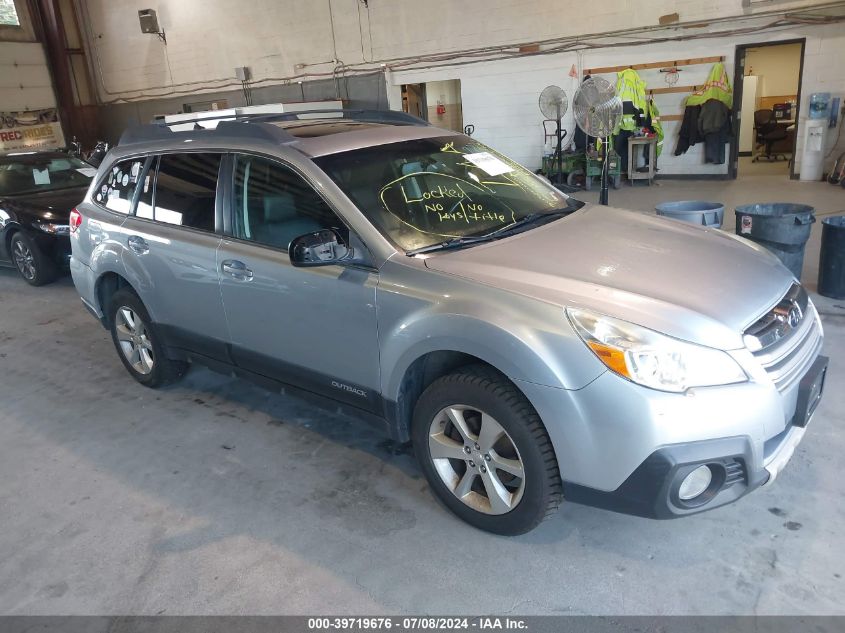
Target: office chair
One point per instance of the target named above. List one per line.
(767, 132)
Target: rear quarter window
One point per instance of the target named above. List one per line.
(117, 189)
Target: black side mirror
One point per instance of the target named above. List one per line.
(321, 248)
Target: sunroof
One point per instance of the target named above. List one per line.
(312, 128)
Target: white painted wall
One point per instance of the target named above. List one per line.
(777, 66)
(207, 39)
(448, 91)
(500, 98)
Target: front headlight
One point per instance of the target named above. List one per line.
(54, 229)
(818, 317)
(652, 359)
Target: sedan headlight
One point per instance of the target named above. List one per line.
(54, 229)
(652, 359)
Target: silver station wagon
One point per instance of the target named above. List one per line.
(530, 346)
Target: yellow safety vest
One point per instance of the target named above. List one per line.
(630, 87)
(717, 86)
(654, 113)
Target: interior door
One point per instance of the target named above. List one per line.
(171, 247)
(314, 328)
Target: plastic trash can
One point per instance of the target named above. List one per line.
(832, 258)
(782, 227)
(694, 211)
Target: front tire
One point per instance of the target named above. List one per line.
(138, 344)
(33, 265)
(485, 452)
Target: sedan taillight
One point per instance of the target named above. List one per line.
(75, 220)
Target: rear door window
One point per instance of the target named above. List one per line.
(117, 190)
(185, 190)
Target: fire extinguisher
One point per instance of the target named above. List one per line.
(441, 109)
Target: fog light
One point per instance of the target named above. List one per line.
(695, 483)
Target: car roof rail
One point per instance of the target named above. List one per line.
(234, 125)
(224, 129)
(396, 117)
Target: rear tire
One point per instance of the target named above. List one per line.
(34, 266)
(138, 344)
(485, 451)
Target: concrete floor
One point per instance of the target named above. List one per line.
(215, 497)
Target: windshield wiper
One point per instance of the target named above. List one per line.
(528, 220)
(455, 242)
(504, 231)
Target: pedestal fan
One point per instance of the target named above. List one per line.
(598, 110)
(553, 105)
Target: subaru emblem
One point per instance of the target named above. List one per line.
(794, 316)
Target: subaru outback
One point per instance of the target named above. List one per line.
(530, 346)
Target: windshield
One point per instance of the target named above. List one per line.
(33, 173)
(427, 191)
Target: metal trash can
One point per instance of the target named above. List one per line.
(694, 211)
(832, 258)
(782, 227)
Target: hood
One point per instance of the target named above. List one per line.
(694, 283)
(54, 205)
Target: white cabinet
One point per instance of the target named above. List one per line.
(750, 93)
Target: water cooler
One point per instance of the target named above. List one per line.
(815, 129)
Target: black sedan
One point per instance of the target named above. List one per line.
(37, 192)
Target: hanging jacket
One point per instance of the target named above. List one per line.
(714, 124)
(689, 135)
(717, 86)
(653, 122)
(713, 116)
(630, 87)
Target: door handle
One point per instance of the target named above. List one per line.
(138, 244)
(236, 269)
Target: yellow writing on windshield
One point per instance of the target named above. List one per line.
(440, 204)
(438, 193)
(449, 148)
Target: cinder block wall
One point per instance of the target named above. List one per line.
(285, 41)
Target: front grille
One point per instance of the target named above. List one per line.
(783, 344)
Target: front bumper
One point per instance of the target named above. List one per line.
(652, 490)
(56, 247)
(626, 448)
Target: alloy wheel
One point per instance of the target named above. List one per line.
(476, 459)
(134, 340)
(24, 260)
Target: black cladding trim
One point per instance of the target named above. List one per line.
(273, 374)
(651, 490)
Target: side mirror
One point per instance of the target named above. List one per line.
(321, 248)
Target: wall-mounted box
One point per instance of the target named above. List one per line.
(149, 21)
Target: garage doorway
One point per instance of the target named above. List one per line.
(413, 100)
(767, 96)
(438, 102)
(444, 104)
